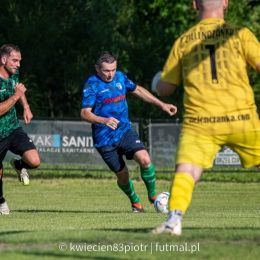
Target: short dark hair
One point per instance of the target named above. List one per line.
(105, 56)
(6, 49)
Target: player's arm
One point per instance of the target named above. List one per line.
(165, 82)
(7, 104)
(251, 47)
(258, 67)
(164, 88)
(146, 96)
(88, 116)
(27, 114)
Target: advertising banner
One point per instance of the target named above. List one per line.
(163, 139)
(64, 142)
(226, 157)
(71, 143)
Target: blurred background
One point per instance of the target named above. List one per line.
(60, 41)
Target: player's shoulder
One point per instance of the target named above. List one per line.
(230, 24)
(92, 81)
(238, 30)
(93, 78)
(120, 73)
(120, 76)
(235, 28)
(244, 31)
(179, 41)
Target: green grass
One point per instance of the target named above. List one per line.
(222, 222)
(102, 172)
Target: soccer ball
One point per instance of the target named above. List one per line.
(155, 80)
(161, 202)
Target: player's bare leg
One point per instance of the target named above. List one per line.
(180, 196)
(3, 205)
(29, 160)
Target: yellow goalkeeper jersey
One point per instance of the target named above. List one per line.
(211, 59)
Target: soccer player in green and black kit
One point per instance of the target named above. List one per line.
(12, 136)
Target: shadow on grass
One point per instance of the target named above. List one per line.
(66, 211)
(142, 230)
(135, 230)
(12, 232)
(71, 255)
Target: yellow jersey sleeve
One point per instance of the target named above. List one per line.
(250, 47)
(211, 59)
(172, 70)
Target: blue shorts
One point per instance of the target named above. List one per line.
(128, 145)
(18, 142)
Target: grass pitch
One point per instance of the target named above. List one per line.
(91, 219)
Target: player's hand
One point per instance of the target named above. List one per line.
(27, 114)
(111, 122)
(170, 109)
(18, 91)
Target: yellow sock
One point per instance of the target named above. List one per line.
(181, 192)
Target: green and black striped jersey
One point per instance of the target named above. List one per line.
(8, 121)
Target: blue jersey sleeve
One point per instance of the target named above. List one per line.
(88, 95)
(130, 85)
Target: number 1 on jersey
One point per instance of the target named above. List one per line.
(214, 76)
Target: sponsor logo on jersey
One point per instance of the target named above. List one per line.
(118, 85)
(113, 100)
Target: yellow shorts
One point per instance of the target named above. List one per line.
(201, 150)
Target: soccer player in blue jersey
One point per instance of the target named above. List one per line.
(104, 105)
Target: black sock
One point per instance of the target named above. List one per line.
(19, 164)
(2, 199)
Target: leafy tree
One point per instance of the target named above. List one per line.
(60, 40)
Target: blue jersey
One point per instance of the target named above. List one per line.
(108, 99)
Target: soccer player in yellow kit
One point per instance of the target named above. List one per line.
(211, 59)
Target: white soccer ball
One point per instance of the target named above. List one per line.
(161, 202)
(155, 80)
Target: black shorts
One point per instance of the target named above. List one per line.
(128, 145)
(18, 142)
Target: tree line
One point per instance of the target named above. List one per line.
(60, 40)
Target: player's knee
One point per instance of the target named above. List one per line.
(123, 176)
(145, 161)
(35, 162)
